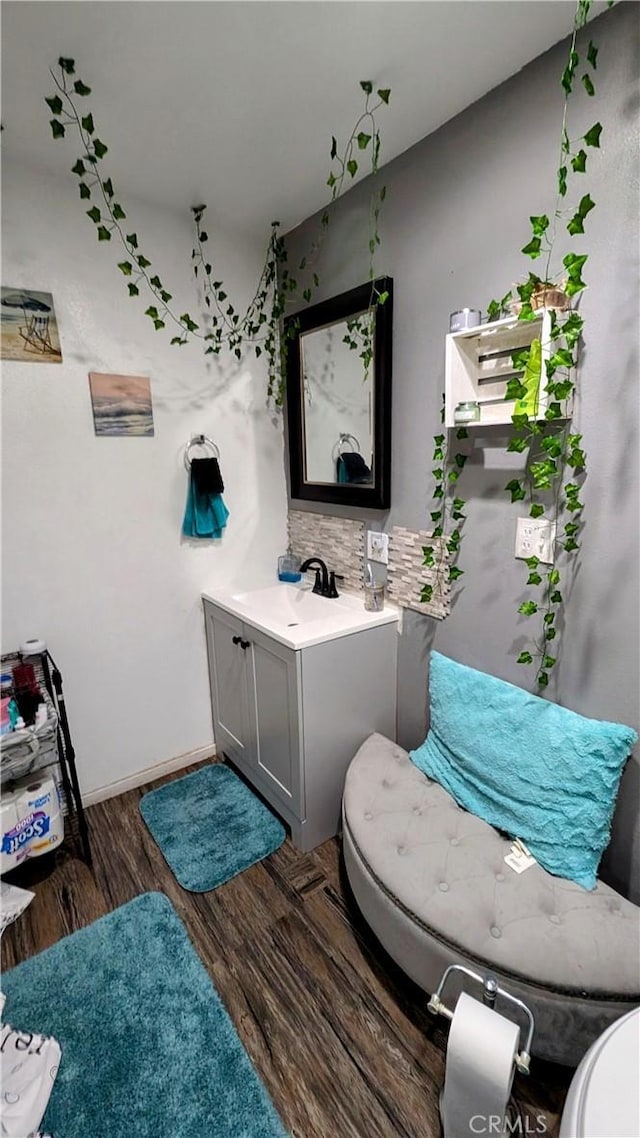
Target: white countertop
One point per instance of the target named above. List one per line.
(297, 617)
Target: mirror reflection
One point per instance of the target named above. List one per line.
(337, 378)
(339, 397)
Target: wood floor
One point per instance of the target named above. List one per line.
(340, 1037)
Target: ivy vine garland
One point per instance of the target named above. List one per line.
(556, 461)
(223, 327)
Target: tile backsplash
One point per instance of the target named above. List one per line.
(338, 541)
(407, 573)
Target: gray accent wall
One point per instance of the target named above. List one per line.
(455, 218)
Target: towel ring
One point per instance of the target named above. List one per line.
(344, 438)
(199, 441)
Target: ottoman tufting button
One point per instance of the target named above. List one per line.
(397, 754)
(368, 816)
(495, 932)
(417, 810)
(555, 919)
(443, 887)
(455, 842)
(401, 850)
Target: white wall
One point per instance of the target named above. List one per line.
(92, 554)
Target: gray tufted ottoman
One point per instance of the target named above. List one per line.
(431, 882)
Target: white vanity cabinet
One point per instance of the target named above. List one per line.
(291, 719)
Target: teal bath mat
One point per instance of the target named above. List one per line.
(210, 827)
(147, 1045)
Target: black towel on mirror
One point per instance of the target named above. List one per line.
(206, 476)
(354, 468)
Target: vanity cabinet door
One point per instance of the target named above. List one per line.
(274, 686)
(228, 678)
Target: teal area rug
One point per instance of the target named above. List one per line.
(147, 1046)
(210, 827)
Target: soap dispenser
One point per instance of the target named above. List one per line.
(289, 567)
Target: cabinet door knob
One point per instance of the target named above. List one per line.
(244, 644)
(236, 640)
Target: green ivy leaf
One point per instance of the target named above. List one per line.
(455, 573)
(462, 433)
(54, 104)
(57, 128)
(528, 608)
(571, 545)
(571, 528)
(517, 446)
(426, 594)
(143, 262)
(99, 148)
(79, 168)
(363, 140)
(575, 225)
(125, 267)
(118, 212)
(562, 181)
(588, 84)
(428, 558)
(539, 224)
(133, 290)
(533, 248)
(552, 446)
(453, 475)
(531, 562)
(549, 661)
(85, 192)
(592, 54)
(107, 186)
(556, 597)
(384, 93)
(94, 214)
(554, 577)
(67, 65)
(516, 490)
(103, 233)
(525, 658)
(352, 167)
(460, 460)
(152, 312)
(334, 147)
(550, 634)
(81, 88)
(367, 86)
(534, 579)
(579, 162)
(132, 240)
(542, 679)
(592, 137)
(515, 389)
(87, 123)
(436, 515)
(536, 510)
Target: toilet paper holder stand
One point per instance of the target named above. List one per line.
(490, 992)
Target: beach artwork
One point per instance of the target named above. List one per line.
(28, 327)
(121, 404)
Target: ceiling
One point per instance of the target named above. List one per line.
(234, 103)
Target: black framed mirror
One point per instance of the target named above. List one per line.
(339, 398)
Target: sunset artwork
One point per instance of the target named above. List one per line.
(28, 328)
(121, 404)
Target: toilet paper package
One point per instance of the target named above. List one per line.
(32, 822)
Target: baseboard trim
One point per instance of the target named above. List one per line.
(149, 774)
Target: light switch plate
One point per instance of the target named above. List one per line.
(378, 547)
(535, 538)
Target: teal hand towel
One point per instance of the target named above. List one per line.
(205, 514)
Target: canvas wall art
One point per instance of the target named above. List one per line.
(121, 404)
(28, 327)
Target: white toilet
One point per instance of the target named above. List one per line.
(604, 1096)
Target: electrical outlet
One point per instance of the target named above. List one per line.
(535, 538)
(378, 546)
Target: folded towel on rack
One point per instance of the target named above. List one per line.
(205, 515)
(205, 473)
(352, 468)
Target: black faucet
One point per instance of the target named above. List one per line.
(325, 583)
(322, 575)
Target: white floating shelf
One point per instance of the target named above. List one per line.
(478, 364)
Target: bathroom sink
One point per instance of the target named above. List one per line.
(298, 617)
